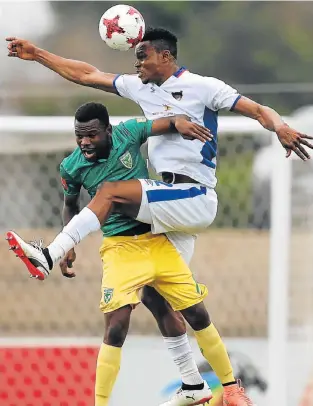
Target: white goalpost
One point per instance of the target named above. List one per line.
(279, 278)
(288, 293)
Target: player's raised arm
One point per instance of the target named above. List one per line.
(75, 71)
(182, 125)
(70, 209)
(291, 139)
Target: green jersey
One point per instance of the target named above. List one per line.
(124, 162)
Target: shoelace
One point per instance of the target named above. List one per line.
(38, 245)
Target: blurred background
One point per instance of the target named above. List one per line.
(51, 331)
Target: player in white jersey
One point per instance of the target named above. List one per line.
(186, 201)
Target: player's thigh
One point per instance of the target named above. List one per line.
(126, 269)
(174, 280)
(124, 191)
(184, 207)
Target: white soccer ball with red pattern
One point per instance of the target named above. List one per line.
(122, 27)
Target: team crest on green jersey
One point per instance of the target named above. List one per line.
(127, 160)
(107, 295)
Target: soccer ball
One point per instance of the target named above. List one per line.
(122, 27)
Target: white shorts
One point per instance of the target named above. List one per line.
(185, 207)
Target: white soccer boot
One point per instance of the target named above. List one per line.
(32, 254)
(190, 397)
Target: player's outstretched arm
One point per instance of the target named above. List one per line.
(182, 125)
(75, 71)
(291, 139)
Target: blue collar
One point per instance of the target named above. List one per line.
(180, 71)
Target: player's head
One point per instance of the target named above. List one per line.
(155, 54)
(93, 131)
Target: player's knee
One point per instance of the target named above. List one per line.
(197, 316)
(116, 326)
(116, 335)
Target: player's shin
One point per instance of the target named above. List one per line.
(173, 330)
(214, 351)
(180, 350)
(108, 365)
(78, 228)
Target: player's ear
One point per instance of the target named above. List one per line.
(166, 55)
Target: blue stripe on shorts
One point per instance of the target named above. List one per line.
(163, 195)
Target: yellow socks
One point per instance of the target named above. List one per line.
(214, 351)
(108, 365)
(109, 360)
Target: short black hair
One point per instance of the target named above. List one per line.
(162, 40)
(90, 111)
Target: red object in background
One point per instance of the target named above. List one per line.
(47, 376)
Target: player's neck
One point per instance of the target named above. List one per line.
(167, 74)
(105, 153)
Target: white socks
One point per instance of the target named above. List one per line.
(181, 352)
(78, 228)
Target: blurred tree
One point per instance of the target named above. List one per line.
(239, 42)
(248, 42)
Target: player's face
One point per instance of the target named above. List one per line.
(149, 63)
(93, 139)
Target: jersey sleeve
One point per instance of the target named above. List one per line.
(139, 129)
(70, 187)
(218, 95)
(127, 86)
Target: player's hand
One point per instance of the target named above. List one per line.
(66, 263)
(21, 48)
(293, 140)
(192, 131)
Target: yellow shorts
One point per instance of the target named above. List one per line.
(129, 263)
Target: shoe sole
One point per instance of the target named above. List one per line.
(202, 401)
(17, 249)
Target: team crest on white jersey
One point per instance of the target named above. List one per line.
(127, 160)
(178, 95)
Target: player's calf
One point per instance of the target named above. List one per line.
(214, 351)
(116, 324)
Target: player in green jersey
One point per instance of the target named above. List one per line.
(112, 158)
(132, 257)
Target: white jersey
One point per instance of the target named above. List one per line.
(198, 97)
